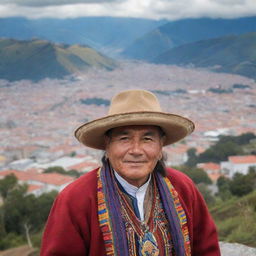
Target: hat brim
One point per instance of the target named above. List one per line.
(175, 127)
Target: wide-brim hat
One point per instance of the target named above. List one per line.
(134, 107)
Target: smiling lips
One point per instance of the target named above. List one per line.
(135, 162)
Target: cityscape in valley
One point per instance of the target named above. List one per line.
(38, 119)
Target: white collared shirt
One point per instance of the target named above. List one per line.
(138, 193)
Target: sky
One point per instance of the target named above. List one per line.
(152, 9)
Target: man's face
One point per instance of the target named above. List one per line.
(133, 151)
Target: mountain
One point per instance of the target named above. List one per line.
(185, 31)
(38, 59)
(231, 54)
(105, 34)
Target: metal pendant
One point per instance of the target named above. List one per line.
(148, 245)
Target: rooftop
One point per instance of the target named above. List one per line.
(209, 166)
(249, 159)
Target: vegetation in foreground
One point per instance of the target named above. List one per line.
(236, 219)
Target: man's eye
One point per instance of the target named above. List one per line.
(148, 139)
(124, 138)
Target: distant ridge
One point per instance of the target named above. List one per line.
(38, 59)
(180, 32)
(105, 34)
(231, 54)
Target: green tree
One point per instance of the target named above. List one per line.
(198, 175)
(206, 193)
(7, 184)
(57, 169)
(26, 213)
(241, 184)
(220, 152)
(61, 170)
(223, 185)
(192, 157)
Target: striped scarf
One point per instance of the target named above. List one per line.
(112, 224)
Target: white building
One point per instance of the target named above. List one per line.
(238, 164)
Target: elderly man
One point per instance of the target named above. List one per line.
(132, 205)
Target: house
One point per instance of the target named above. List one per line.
(84, 166)
(212, 169)
(39, 183)
(238, 164)
(176, 154)
(65, 162)
(21, 164)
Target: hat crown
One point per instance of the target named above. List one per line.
(134, 101)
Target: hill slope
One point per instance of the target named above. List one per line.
(235, 220)
(232, 54)
(37, 59)
(186, 31)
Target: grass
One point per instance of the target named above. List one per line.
(236, 219)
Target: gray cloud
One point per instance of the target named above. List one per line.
(154, 9)
(39, 3)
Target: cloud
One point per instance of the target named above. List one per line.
(154, 9)
(35, 3)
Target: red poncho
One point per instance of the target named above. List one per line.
(73, 228)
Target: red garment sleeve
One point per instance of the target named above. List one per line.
(202, 230)
(205, 238)
(72, 227)
(62, 236)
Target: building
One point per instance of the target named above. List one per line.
(39, 183)
(212, 169)
(238, 164)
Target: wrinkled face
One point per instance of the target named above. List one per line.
(133, 151)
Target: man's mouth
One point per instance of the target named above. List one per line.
(135, 162)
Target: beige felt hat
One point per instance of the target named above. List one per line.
(134, 107)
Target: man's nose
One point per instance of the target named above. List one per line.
(135, 147)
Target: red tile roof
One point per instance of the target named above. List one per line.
(250, 159)
(209, 166)
(48, 178)
(83, 165)
(34, 187)
(53, 178)
(23, 176)
(214, 176)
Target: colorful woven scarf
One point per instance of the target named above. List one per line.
(112, 224)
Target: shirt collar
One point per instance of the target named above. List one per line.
(129, 188)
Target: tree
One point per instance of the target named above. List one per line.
(198, 175)
(220, 152)
(225, 147)
(223, 185)
(206, 193)
(192, 157)
(61, 170)
(26, 214)
(7, 184)
(241, 184)
(57, 169)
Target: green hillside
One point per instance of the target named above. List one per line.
(231, 54)
(180, 32)
(38, 59)
(236, 219)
